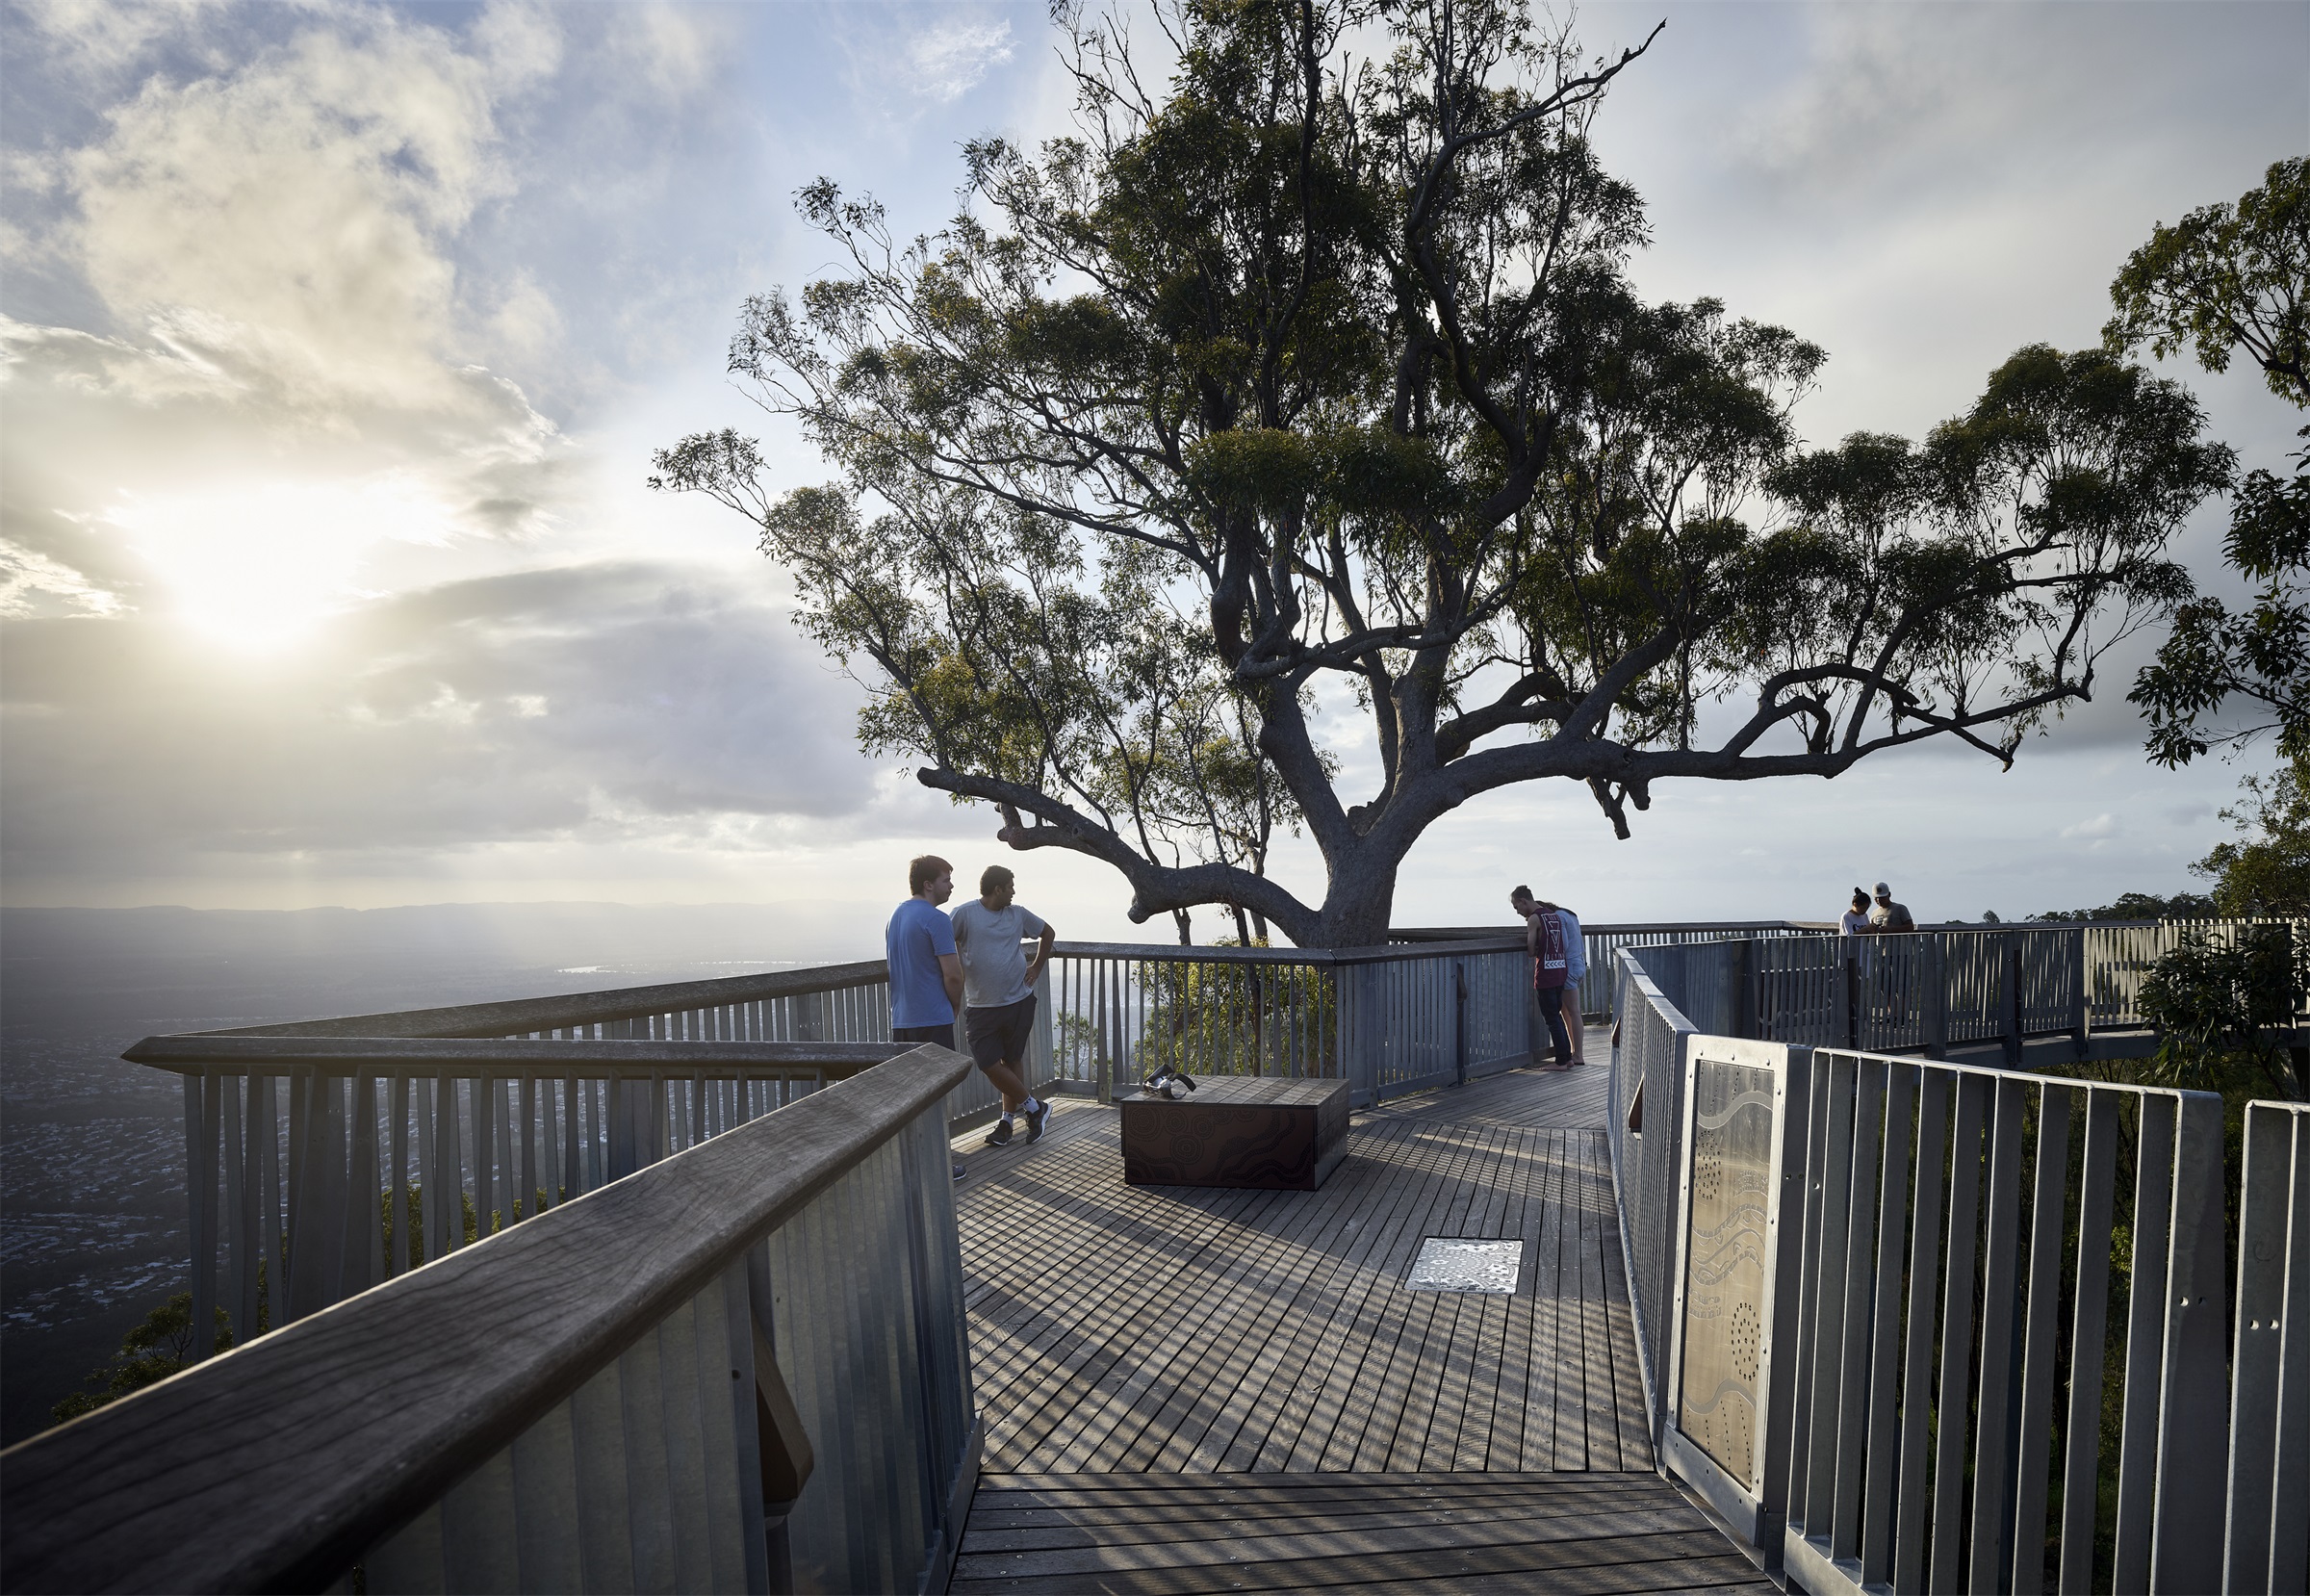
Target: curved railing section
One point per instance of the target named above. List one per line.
(1918, 1323)
(742, 1368)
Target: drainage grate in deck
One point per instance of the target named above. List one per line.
(1453, 1262)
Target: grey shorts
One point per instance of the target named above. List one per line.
(1000, 1034)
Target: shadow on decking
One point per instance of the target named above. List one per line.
(1189, 1389)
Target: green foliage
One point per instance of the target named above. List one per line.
(2219, 281)
(2224, 1011)
(1315, 375)
(2268, 872)
(1238, 1020)
(2144, 906)
(2223, 279)
(156, 1348)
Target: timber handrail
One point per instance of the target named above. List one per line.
(267, 1469)
(547, 1013)
(191, 1054)
(1488, 942)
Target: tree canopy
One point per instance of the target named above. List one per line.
(2219, 281)
(1287, 446)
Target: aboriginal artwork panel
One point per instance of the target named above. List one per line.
(1724, 1263)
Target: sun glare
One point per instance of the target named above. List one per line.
(260, 568)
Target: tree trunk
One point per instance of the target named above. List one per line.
(1355, 911)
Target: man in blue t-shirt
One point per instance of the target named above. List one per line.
(926, 973)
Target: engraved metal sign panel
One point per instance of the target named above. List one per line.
(1447, 1263)
(1725, 1263)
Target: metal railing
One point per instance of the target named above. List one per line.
(1930, 990)
(1603, 941)
(326, 1156)
(1387, 1020)
(741, 1368)
(1915, 1324)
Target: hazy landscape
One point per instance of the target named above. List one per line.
(92, 1163)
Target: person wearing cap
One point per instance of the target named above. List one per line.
(1889, 916)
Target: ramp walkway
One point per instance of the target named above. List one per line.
(1189, 1389)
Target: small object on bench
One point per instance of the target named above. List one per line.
(1164, 1081)
(1275, 1135)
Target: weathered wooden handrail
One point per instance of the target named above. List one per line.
(277, 1465)
(239, 1053)
(527, 1014)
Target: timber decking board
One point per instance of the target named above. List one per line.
(1175, 1330)
(1415, 1532)
(1528, 1099)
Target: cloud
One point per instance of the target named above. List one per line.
(286, 394)
(2094, 829)
(613, 703)
(947, 60)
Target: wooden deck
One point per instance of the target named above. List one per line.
(1189, 1389)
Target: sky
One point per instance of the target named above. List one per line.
(337, 339)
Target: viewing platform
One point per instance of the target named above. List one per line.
(1187, 1389)
(1807, 1278)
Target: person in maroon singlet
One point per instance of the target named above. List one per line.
(1545, 939)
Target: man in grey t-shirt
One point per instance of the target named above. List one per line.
(998, 993)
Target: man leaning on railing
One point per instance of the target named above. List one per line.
(998, 1014)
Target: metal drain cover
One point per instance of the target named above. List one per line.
(1450, 1263)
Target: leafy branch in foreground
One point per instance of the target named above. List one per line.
(1287, 446)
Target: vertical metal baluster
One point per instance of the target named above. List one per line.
(2145, 1341)
(527, 1118)
(1829, 1335)
(272, 1216)
(484, 1091)
(2088, 1344)
(292, 1197)
(572, 1160)
(449, 1165)
(2034, 1457)
(2288, 1565)
(426, 1091)
(1853, 1405)
(398, 1107)
(1993, 1441)
(2193, 1431)
(1885, 1340)
(1957, 1336)
(1916, 1383)
(364, 1256)
(202, 1114)
(240, 1268)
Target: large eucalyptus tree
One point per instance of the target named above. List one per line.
(1308, 379)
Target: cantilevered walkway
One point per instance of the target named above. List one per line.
(1189, 1390)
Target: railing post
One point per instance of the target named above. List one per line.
(1933, 981)
(1459, 1021)
(2076, 940)
(2009, 997)
(1744, 987)
(1850, 1028)
(201, 1110)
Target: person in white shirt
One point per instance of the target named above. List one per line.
(998, 993)
(1855, 922)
